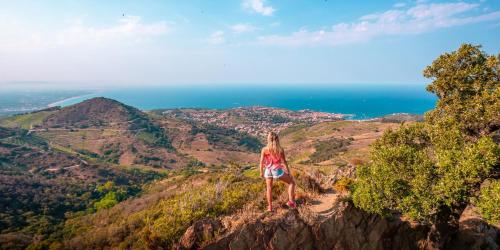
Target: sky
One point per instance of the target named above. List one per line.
(137, 43)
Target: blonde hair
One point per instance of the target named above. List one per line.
(273, 144)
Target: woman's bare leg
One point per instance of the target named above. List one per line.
(269, 193)
(291, 186)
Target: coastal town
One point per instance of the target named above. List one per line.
(256, 120)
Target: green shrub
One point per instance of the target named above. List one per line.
(251, 143)
(489, 202)
(87, 153)
(147, 137)
(194, 163)
(108, 201)
(414, 174)
(430, 170)
(344, 184)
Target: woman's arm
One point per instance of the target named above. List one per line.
(261, 164)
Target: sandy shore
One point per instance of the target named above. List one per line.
(58, 103)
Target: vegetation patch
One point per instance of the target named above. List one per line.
(489, 202)
(25, 121)
(430, 171)
(293, 129)
(112, 152)
(39, 192)
(151, 133)
(310, 182)
(146, 137)
(21, 139)
(344, 184)
(88, 153)
(326, 150)
(162, 224)
(251, 143)
(225, 138)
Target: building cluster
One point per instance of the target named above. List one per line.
(256, 121)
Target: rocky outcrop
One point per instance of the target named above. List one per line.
(199, 232)
(340, 173)
(347, 228)
(474, 232)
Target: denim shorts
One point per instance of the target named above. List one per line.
(273, 173)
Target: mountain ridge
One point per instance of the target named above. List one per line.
(94, 112)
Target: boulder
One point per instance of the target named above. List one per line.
(474, 232)
(201, 231)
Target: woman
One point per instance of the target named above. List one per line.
(272, 166)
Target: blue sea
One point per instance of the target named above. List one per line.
(362, 101)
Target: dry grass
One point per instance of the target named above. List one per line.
(362, 133)
(306, 214)
(343, 185)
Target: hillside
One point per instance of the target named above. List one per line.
(106, 130)
(230, 136)
(132, 215)
(230, 205)
(27, 120)
(255, 121)
(103, 130)
(95, 112)
(229, 191)
(211, 145)
(41, 186)
(73, 148)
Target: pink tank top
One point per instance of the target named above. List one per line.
(272, 162)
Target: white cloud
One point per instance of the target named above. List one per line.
(217, 37)
(128, 30)
(417, 19)
(259, 6)
(242, 28)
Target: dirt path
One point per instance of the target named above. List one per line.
(324, 205)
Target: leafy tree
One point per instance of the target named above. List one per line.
(430, 170)
(489, 200)
(467, 84)
(106, 187)
(109, 200)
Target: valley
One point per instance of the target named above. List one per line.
(89, 151)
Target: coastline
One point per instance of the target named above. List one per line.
(352, 104)
(57, 103)
(343, 116)
(26, 104)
